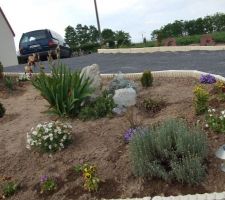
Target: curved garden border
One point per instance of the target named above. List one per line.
(167, 73)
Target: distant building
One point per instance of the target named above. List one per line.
(8, 55)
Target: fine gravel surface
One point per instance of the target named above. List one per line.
(207, 61)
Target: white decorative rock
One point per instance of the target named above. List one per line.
(125, 97)
(93, 73)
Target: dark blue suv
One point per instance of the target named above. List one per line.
(42, 41)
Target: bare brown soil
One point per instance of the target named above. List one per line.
(98, 142)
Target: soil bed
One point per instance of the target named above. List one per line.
(99, 142)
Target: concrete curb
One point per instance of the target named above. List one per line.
(163, 49)
(167, 73)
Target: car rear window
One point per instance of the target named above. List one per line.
(34, 35)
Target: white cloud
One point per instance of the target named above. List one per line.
(134, 16)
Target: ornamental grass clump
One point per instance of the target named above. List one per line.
(170, 151)
(147, 78)
(64, 90)
(207, 79)
(49, 136)
(201, 100)
(215, 120)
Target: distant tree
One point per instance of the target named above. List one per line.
(71, 37)
(108, 36)
(208, 24)
(122, 38)
(94, 34)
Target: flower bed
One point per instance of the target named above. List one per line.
(101, 143)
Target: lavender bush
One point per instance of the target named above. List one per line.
(207, 79)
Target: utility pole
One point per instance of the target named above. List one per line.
(99, 28)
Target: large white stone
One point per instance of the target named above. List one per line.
(125, 97)
(93, 73)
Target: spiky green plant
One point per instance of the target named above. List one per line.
(147, 78)
(170, 151)
(64, 90)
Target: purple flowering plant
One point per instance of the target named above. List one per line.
(207, 79)
(129, 134)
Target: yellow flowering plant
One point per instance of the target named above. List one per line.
(200, 100)
(219, 88)
(91, 181)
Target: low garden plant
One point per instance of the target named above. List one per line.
(152, 106)
(47, 184)
(102, 106)
(207, 79)
(219, 89)
(9, 83)
(91, 181)
(64, 90)
(25, 77)
(49, 136)
(8, 186)
(201, 100)
(2, 110)
(170, 151)
(215, 120)
(147, 78)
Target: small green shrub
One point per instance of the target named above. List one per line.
(2, 110)
(9, 188)
(9, 82)
(120, 82)
(187, 40)
(147, 79)
(152, 106)
(201, 100)
(170, 151)
(101, 107)
(64, 90)
(219, 37)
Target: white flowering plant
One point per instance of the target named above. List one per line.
(25, 77)
(215, 120)
(49, 136)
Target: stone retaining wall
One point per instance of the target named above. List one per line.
(163, 49)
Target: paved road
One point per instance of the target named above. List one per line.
(208, 61)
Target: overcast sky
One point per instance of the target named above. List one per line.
(138, 17)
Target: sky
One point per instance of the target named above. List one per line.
(137, 17)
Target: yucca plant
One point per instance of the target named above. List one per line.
(64, 90)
